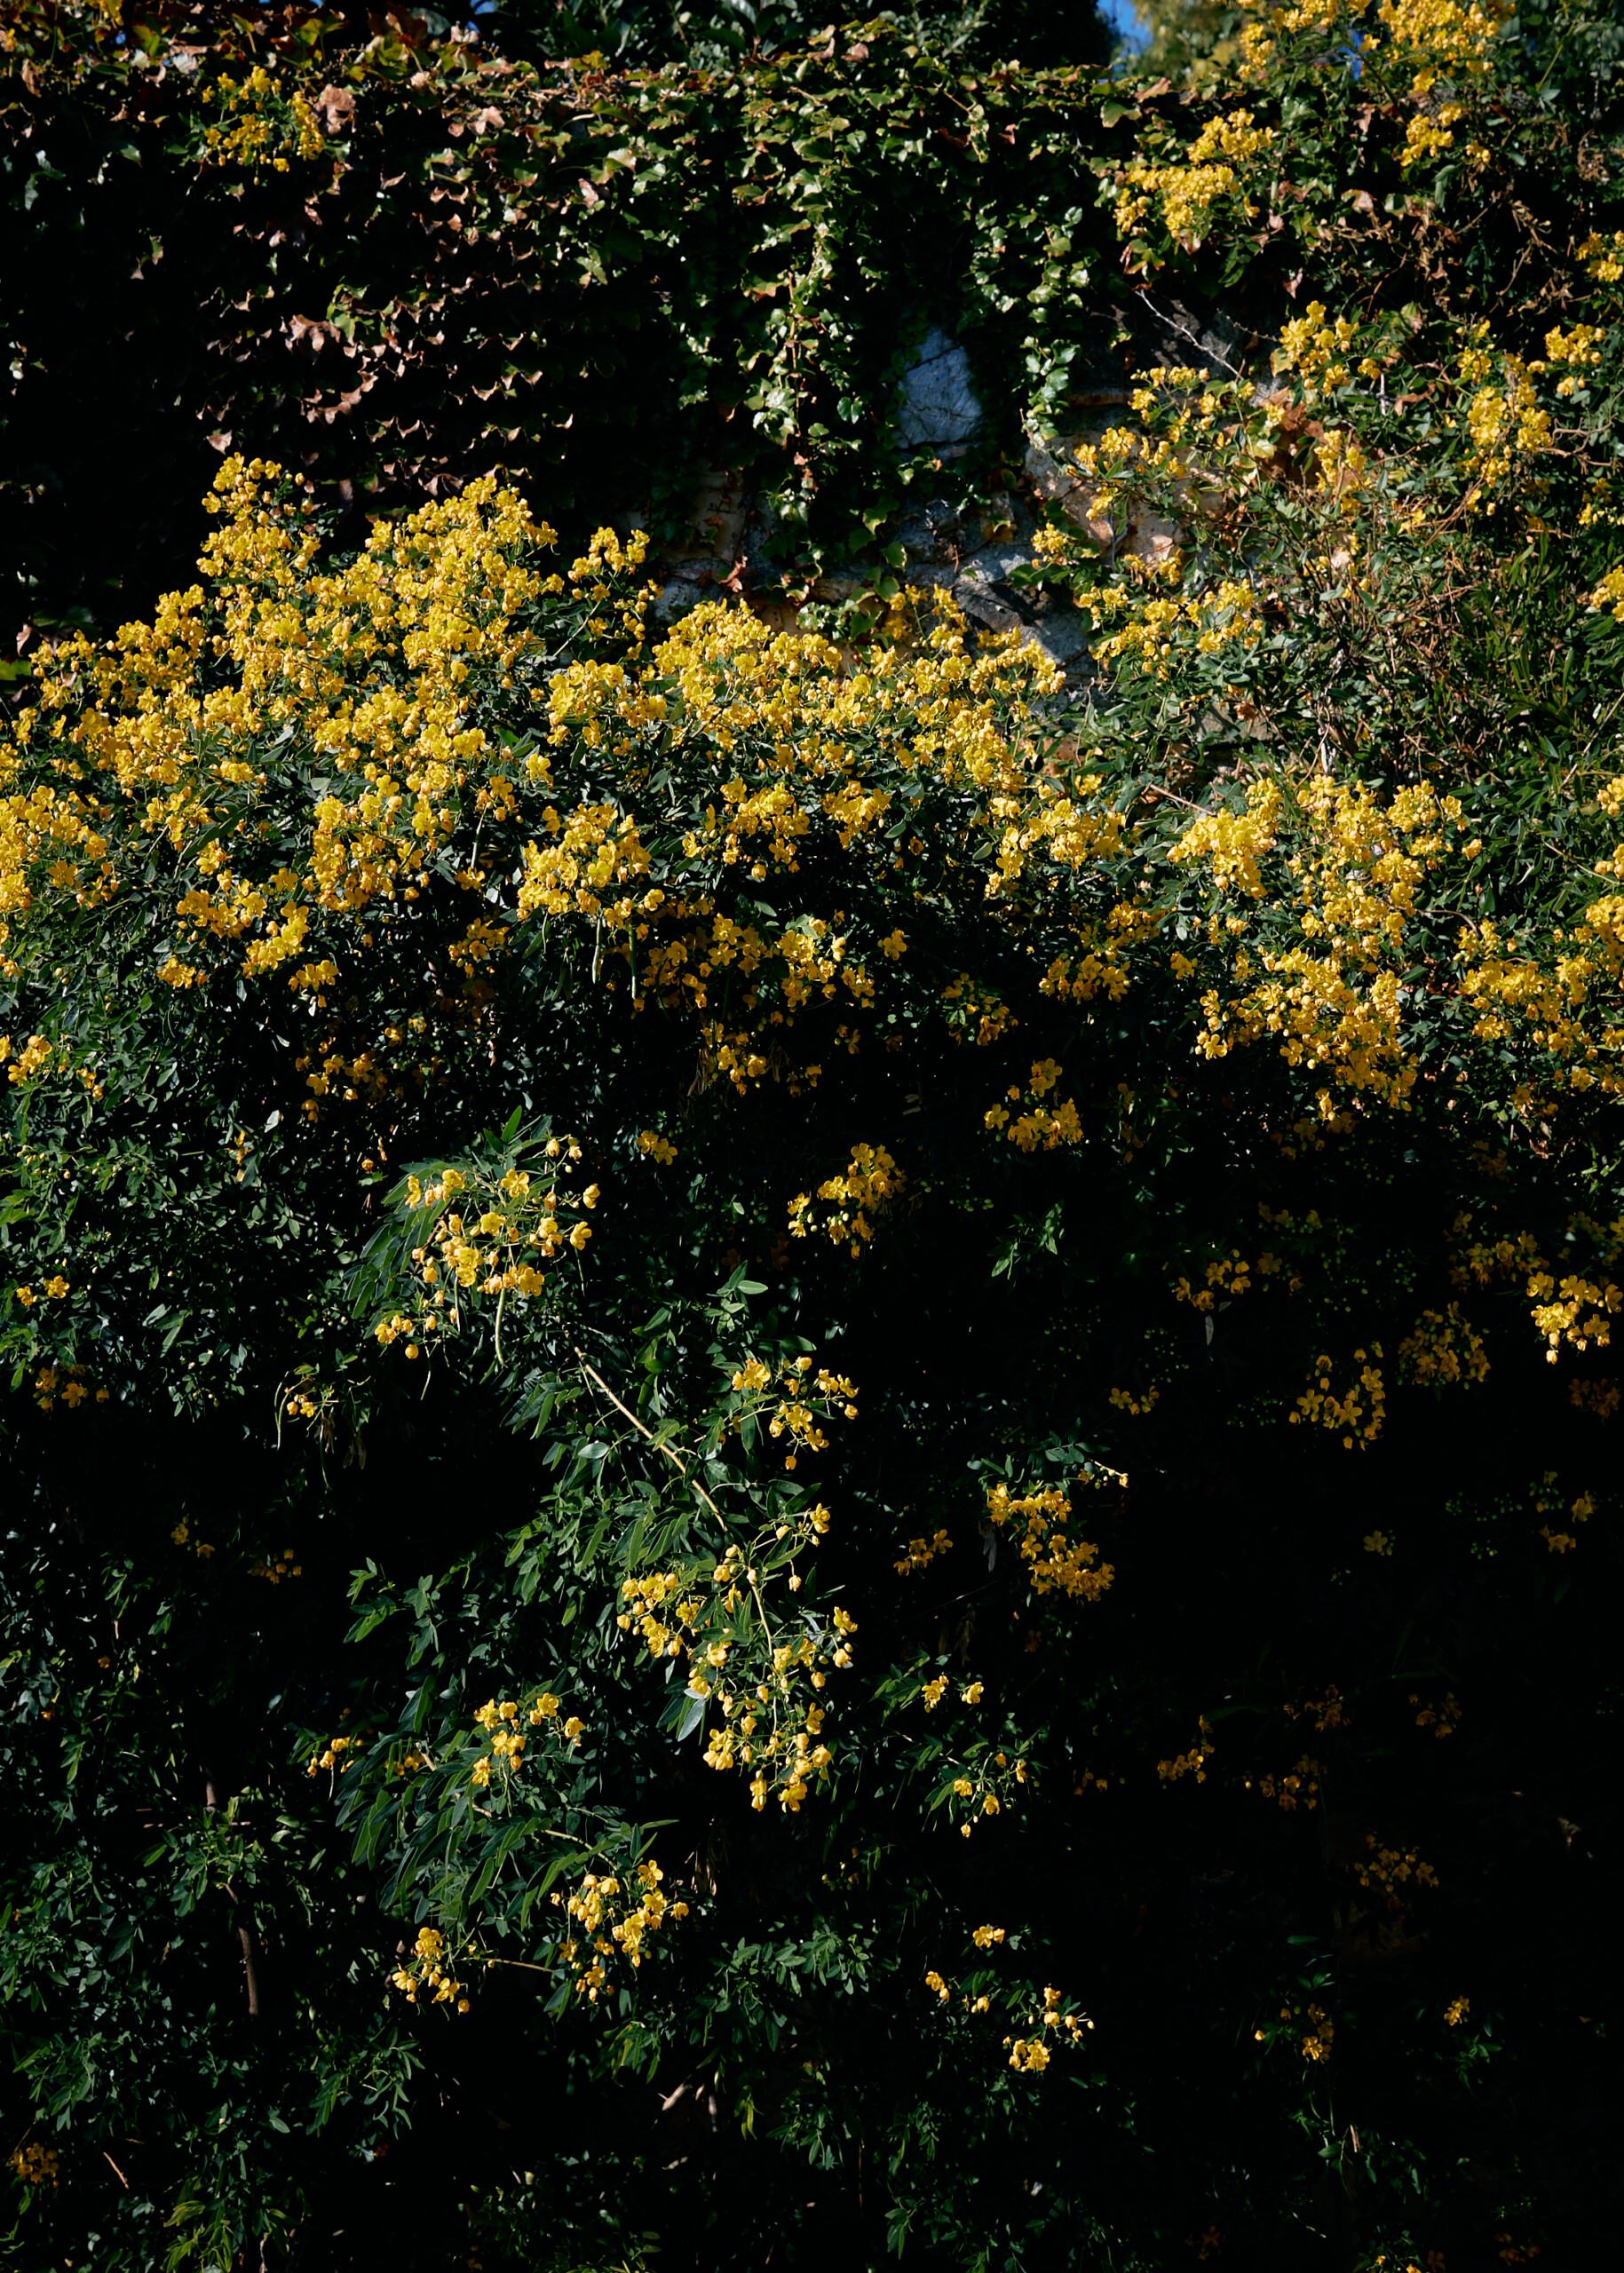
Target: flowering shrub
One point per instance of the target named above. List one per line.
(845, 1288)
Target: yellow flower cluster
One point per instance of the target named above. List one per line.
(1122, 463)
(1057, 1564)
(1341, 468)
(765, 1677)
(36, 2165)
(489, 1244)
(919, 1554)
(499, 1720)
(1441, 1719)
(52, 1289)
(1306, 2027)
(1229, 1277)
(1040, 1127)
(1443, 1347)
(1051, 819)
(1102, 967)
(1506, 423)
(274, 1572)
(1031, 2053)
(31, 1059)
(1578, 1308)
(1574, 1310)
(1235, 844)
(1315, 2044)
(983, 1786)
(1603, 256)
(657, 1147)
(610, 1917)
(1548, 1503)
(793, 1407)
(64, 1385)
(1608, 594)
(1579, 348)
(792, 731)
(1441, 38)
(1189, 192)
(979, 1013)
(1317, 346)
(1193, 1763)
(1357, 1414)
(1209, 620)
(427, 1975)
(1322, 1713)
(1258, 42)
(260, 125)
(1389, 1870)
(1357, 866)
(333, 1756)
(1298, 1786)
(866, 1188)
(1480, 1262)
(597, 851)
(1354, 860)
(147, 740)
(1429, 133)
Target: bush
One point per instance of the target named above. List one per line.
(800, 1432)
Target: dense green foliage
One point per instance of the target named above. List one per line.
(409, 259)
(810, 1447)
(611, 282)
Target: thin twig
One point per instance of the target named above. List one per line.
(1184, 332)
(593, 1375)
(250, 1970)
(1156, 790)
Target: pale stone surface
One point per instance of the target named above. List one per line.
(939, 410)
(994, 561)
(675, 599)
